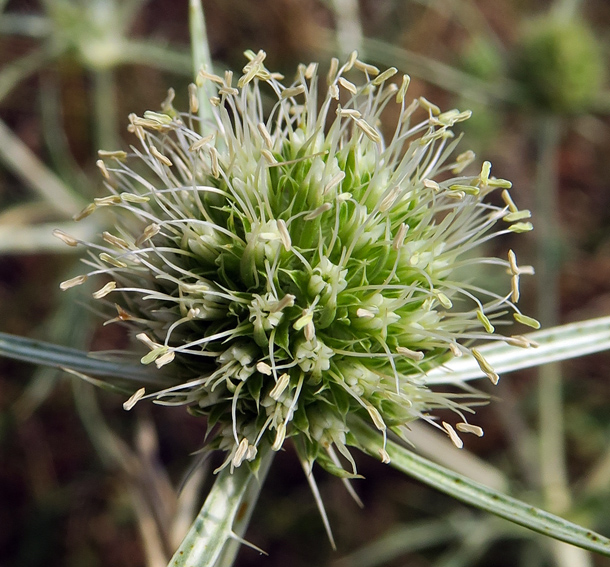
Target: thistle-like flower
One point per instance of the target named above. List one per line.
(297, 266)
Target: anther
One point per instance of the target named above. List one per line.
(468, 428)
(72, 282)
(133, 400)
(280, 386)
(65, 238)
(455, 438)
(347, 85)
(412, 354)
(162, 158)
(104, 291)
(193, 99)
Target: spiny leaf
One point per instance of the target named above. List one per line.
(475, 494)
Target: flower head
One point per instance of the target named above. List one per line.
(298, 265)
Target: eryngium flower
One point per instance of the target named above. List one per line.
(296, 267)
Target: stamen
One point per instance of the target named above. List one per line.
(286, 301)
(485, 321)
(150, 231)
(520, 227)
(332, 71)
(116, 154)
(265, 134)
(112, 261)
(162, 158)
(72, 282)
(193, 99)
(336, 179)
(351, 60)
(525, 320)
(291, 92)
(519, 215)
(509, 202)
(215, 164)
(455, 438)
(412, 354)
(166, 105)
(388, 201)
(366, 68)
(115, 240)
(317, 212)
(431, 184)
(399, 239)
(284, 235)
(240, 454)
(370, 132)
(402, 91)
(133, 400)
(102, 167)
(279, 437)
(348, 112)
(310, 71)
(430, 107)
(108, 201)
(264, 368)
(365, 313)
(485, 366)
(376, 417)
(514, 288)
(347, 85)
(85, 212)
(521, 341)
(280, 386)
(165, 358)
(103, 292)
(387, 74)
(468, 428)
(65, 238)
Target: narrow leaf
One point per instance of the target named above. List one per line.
(201, 55)
(477, 495)
(48, 354)
(555, 344)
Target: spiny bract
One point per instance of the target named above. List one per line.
(294, 268)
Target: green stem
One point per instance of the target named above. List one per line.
(348, 26)
(552, 449)
(477, 495)
(201, 56)
(229, 502)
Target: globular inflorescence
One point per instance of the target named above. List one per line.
(293, 266)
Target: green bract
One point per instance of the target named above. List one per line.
(296, 266)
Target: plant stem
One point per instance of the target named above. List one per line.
(553, 471)
(349, 29)
(552, 450)
(229, 502)
(201, 56)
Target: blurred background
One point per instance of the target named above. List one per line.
(84, 483)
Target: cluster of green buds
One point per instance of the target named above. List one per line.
(292, 266)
